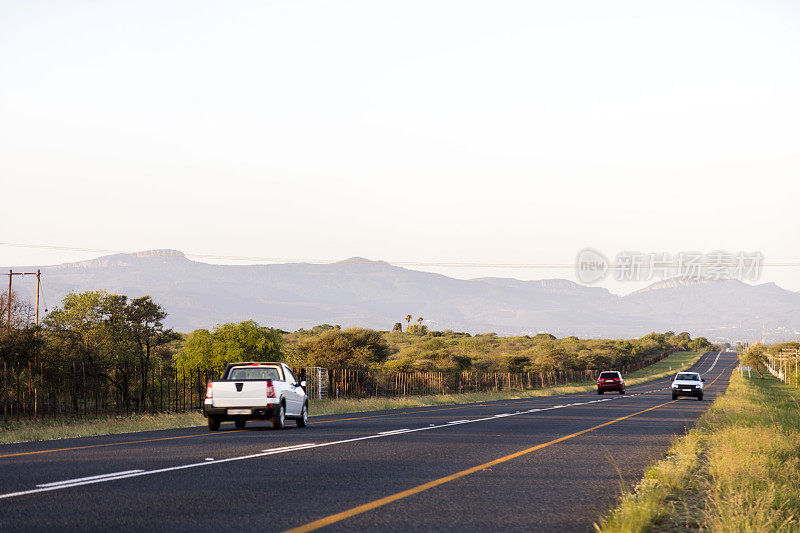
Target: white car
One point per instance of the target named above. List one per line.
(256, 391)
(687, 384)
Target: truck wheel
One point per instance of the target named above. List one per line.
(674, 396)
(303, 420)
(279, 421)
(700, 397)
(213, 423)
(240, 423)
(599, 391)
(622, 391)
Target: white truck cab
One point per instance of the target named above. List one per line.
(256, 391)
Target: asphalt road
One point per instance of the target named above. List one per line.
(544, 464)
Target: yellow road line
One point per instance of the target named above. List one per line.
(338, 517)
(332, 519)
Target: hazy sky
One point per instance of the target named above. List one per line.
(490, 132)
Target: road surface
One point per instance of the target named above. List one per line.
(542, 464)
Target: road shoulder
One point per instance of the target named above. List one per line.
(736, 470)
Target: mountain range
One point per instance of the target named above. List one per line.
(375, 294)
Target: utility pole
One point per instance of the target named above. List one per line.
(8, 299)
(38, 285)
(11, 274)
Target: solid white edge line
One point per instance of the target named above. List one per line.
(99, 476)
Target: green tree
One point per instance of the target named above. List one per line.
(755, 357)
(350, 348)
(517, 363)
(146, 323)
(553, 359)
(20, 340)
(700, 343)
(92, 329)
(209, 351)
(417, 329)
(398, 326)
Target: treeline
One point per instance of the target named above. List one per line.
(118, 341)
(106, 338)
(329, 346)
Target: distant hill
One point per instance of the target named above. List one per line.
(376, 294)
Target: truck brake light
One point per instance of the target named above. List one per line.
(270, 389)
(210, 390)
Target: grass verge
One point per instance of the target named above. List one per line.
(65, 428)
(738, 469)
(38, 430)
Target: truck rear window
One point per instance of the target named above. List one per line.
(609, 375)
(254, 372)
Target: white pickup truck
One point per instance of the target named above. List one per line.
(688, 384)
(256, 391)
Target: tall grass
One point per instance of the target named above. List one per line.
(737, 470)
(65, 428)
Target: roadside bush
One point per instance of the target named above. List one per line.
(227, 343)
(350, 348)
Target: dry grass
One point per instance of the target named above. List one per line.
(66, 428)
(35, 430)
(341, 406)
(737, 470)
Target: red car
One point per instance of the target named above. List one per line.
(610, 381)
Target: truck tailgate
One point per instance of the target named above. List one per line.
(248, 393)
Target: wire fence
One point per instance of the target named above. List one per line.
(785, 365)
(36, 392)
(350, 383)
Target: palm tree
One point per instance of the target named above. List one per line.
(408, 319)
(419, 320)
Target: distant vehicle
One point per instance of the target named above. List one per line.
(256, 391)
(610, 380)
(687, 384)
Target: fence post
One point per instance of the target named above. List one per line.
(98, 397)
(83, 375)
